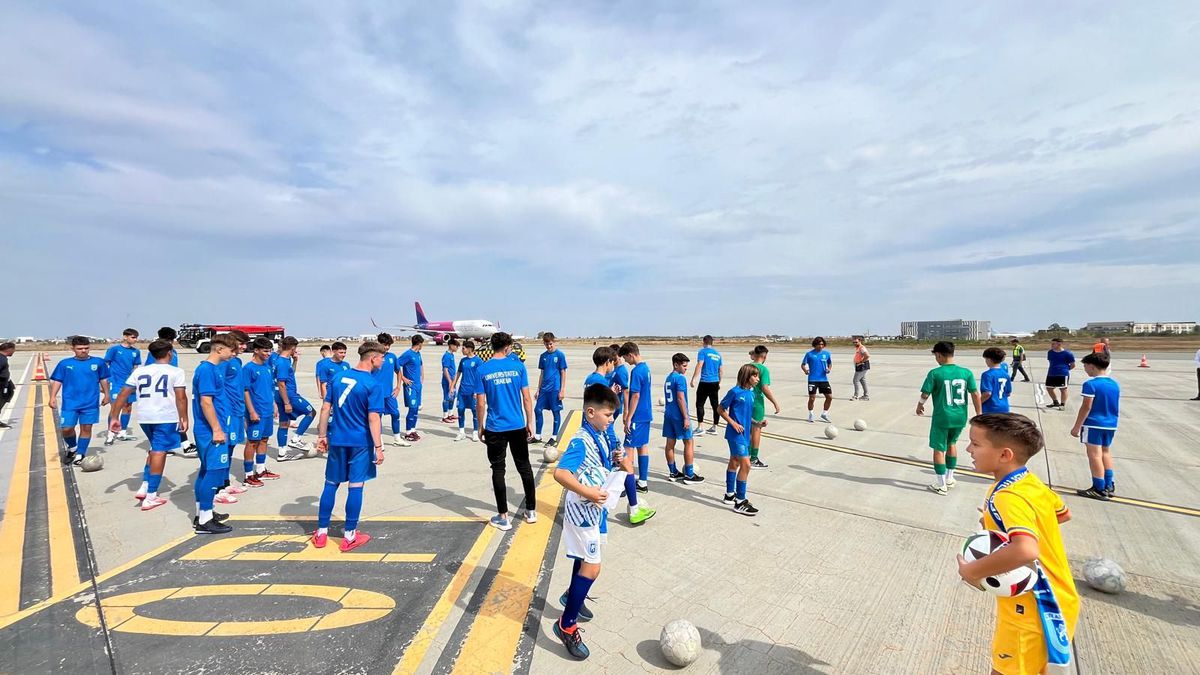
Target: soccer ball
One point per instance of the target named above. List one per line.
(661, 401)
(1104, 575)
(311, 452)
(550, 454)
(831, 432)
(1006, 584)
(91, 463)
(680, 642)
(860, 425)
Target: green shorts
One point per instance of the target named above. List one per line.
(943, 438)
(759, 413)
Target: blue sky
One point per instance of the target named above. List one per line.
(604, 168)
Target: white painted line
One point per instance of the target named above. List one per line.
(12, 405)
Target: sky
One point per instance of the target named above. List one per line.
(607, 168)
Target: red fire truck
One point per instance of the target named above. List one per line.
(200, 335)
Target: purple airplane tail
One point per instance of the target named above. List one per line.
(421, 320)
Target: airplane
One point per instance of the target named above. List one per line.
(441, 331)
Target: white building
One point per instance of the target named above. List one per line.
(1175, 327)
(953, 329)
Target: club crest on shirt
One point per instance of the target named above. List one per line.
(93, 367)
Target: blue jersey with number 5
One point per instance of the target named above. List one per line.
(354, 395)
(675, 389)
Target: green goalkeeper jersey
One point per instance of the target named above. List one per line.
(948, 386)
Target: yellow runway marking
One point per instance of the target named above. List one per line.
(64, 569)
(231, 549)
(12, 530)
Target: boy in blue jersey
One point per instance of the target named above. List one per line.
(637, 431)
(235, 423)
(710, 369)
(122, 358)
(1058, 375)
(605, 360)
(160, 389)
(552, 382)
(329, 367)
(737, 409)
(210, 409)
(449, 371)
(389, 378)
(505, 407)
(1096, 424)
(817, 364)
(291, 405)
(412, 374)
(583, 470)
(83, 381)
(995, 384)
(677, 425)
(258, 398)
(466, 384)
(354, 444)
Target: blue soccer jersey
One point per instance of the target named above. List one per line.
(502, 381)
(354, 395)
(468, 384)
(1060, 362)
(386, 375)
(818, 363)
(234, 388)
(996, 381)
(327, 369)
(260, 382)
(273, 361)
(552, 364)
(639, 383)
(1106, 402)
(449, 365)
(209, 380)
(150, 358)
(285, 373)
(709, 362)
(596, 378)
(80, 380)
(739, 404)
(675, 389)
(620, 378)
(121, 361)
(410, 366)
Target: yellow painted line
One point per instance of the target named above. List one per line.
(64, 568)
(12, 530)
(492, 643)
(377, 519)
(415, 653)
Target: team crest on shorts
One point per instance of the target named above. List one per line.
(593, 547)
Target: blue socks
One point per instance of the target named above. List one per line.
(153, 480)
(83, 446)
(689, 470)
(305, 422)
(325, 508)
(410, 420)
(396, 424)
(557, 422)
(260, 460)
(576, 595)
(1097, 484)
(71, 442)
(206, 485)
(146, 472)
(248, 466)
(1108, 479)
(730, 479)
(643, 467)
(124, 422)
(354, 499)
(281, 435)
(741, 489)
(631, 490)
(537, 415)
(672, 468)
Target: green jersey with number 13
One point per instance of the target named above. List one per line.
(949, 385)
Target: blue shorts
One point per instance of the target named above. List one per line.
(349, 465)
(212, 456)
(412, 396)
(1100, 437)
(300, 408)
(260, 430)
(163, 436)
(548, 400)
(390, 405)
(86, 416)
(673, 428)
(235, 429)
(639, 435)
(737, 448)
(445, 390)
(466, 401)
(114, 390)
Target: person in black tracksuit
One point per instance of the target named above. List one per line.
(6, 384)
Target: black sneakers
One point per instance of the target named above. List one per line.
(211, 527)
(744, 507)
(729, 498)
(758, 463)
(1093, 493)
(573, 641)
(694, 478)
(676, 477)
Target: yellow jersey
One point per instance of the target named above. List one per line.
(1029, 508)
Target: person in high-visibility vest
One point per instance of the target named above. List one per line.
(1018, 360)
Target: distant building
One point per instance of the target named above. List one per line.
(1109, 327)
(1175, 327)
(954, 329)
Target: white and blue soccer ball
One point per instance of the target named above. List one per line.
(1104, 575)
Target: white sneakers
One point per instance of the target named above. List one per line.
(297, 443)
(475, 436)
(399, 440)
(461, 436)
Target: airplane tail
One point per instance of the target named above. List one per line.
(421, 320)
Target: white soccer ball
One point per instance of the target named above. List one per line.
(662, 401)
(860, 425)
(1104, 575)
(550, 454)
(1006, 584)
(91, 463)
(831, 432)
(680, 642)
(311, 452)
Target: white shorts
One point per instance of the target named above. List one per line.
(583, 543)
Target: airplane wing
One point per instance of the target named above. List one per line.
(395, 326)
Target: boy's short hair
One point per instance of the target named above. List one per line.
(707, 340)
(603, 355)
(385, 339)
(167, 333)
(944, 347)
(547, 337)
(158, 349)
(338, 345)
(994, 354)
(7, 345)
(1098, 359)
(629, 348)
(759, 351)
(599, 396)
(79, 341)
(500, 340)
(1013, 431)
(469, 344)
(1056, 339)
(371, 347)
(745, 373)
(289, 342)
(417, 339)
(325, 348)
(679, 358)
(616, 348)
(129, 332)
(226, 340)
(818, 341)
(453, 342)
(240, 336)
(262, 343)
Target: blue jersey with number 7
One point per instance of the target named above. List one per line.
(996, 381)
(354, 395)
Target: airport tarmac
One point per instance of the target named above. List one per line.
(849, 567)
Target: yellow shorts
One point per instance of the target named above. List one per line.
(1018, 649)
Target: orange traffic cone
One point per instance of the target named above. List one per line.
(39, 371)
(1144, 363)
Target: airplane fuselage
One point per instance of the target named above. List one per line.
(471, 328)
